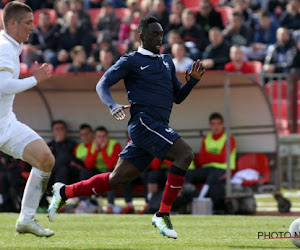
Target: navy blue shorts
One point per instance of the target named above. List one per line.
(149, 139)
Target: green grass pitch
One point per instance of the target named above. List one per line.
(136, 232)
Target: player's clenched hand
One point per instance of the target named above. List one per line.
(196, 72)
(41, 73)
(119, 112)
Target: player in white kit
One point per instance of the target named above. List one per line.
(17, 139)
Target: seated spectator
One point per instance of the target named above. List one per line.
(62, 149)
(193, 35)
(177, 8)
(43, 42)
(290, 18)
(237, 63)
(84, 17)
(160, 11)
(105, 157)
(71, 35)
(264, 35)
(79, 63)
(280, 56)
(106, 58)
(108, 21)
(236, 32)
(277, 7)
(208, 17)
(213, 163)
(242, 6)
(181, 61)
(134, 40)
(61, 8)
(173, 37)
(217, 53)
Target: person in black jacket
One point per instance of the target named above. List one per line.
(79, 63)
(216, 55)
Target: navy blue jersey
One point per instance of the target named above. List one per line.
(151, 84)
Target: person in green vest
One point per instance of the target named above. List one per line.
(104, 157)
(212, 163)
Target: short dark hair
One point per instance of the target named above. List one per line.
(84, 126)
(237, 14)
(264, 13)
(15, 10)
(143, 24)
(216, 115)
(58, 122)
(102, 128)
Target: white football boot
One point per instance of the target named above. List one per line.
(164, 225)
(33, 227)
(56, 203)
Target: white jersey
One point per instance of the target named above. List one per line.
(10, 51)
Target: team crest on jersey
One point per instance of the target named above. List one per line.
(166, 64)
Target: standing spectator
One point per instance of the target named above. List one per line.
(105, 157)
(73, 34)
(280, 56)
(217, 53)
(62, 149)
(177, 8)
(160, 11)
(43, 42)
(236, 32)
(181, 62)
(108, 21)
(237, 63)
(193, 35)
(106, 58)
(84, 17)
(207, 17)
(79, 63)
(291, 17)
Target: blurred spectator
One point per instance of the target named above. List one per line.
(160, 11)
(43, 42)
(134, 40)
(177, 8)
(217, 53)
(242, 6)
(290, 18)
(237, 63)
(146, 7)
(236, 32)
(213, 163)
(264, 35)
(92, 4)
(173, 37)
(277, 7)
(193, 35)
(208, 17)
(79, 63)
(108, 21)
(61, 7)
(181, 61)
(280, 56)
(105, 157)
(84, 17)
(106, 58)
(71, 35)
(62, 149)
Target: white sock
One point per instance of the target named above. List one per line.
(34, 190)
(204, 191)
(149, 196)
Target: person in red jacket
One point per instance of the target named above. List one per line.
(104, 157)
(212, 163)
(238, 64)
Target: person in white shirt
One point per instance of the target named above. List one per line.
(181, 62)
(17, 139)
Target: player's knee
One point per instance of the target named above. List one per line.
(186, 157)
(47, 161)
(117, 182)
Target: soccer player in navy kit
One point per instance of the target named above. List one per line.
(152, 87)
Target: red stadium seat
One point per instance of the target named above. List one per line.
(122, 13)
(23, 68)
(257, 66)
(215, 3)
(39, 65)
(51, 12)
(225, 13)
(62, 68)
(279, 108)
(94, 13)
(275, 87)
(258, 162)
(191, 3)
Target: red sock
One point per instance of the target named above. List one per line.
(98, 184)
(172, 189)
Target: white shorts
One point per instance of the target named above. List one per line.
(15, 137)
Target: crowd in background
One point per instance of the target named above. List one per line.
(86, 38)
